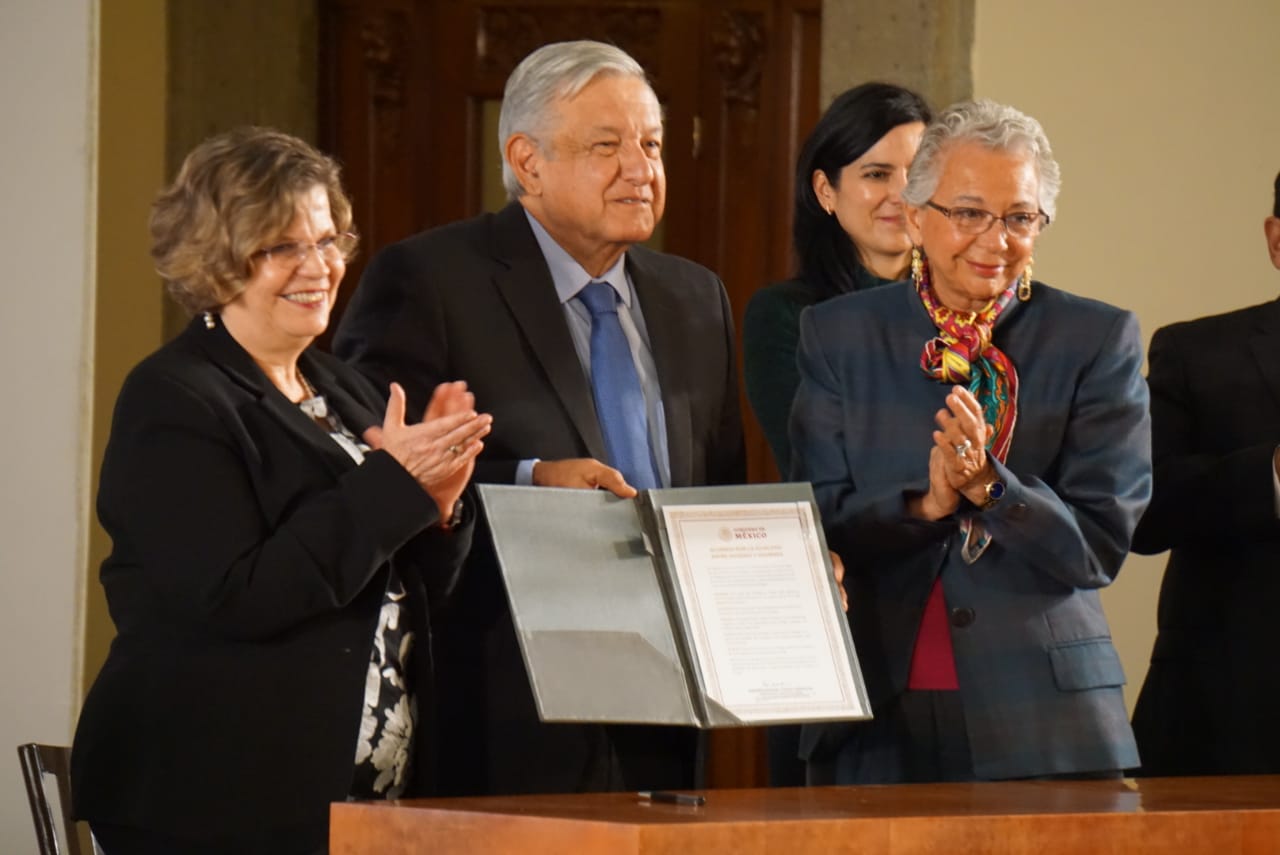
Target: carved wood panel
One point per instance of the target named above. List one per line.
(403, 90)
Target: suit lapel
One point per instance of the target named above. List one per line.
(664, 311)
(526, 286)
(232, 359)
(1264, 344)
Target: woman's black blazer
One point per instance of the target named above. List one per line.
(249, 560)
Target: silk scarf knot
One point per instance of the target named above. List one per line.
(962, 354)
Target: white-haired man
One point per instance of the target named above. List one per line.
(605, 365)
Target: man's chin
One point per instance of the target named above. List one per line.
(638, 232)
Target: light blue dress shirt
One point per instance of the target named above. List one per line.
(569, 278)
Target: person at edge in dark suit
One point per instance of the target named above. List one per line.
(1211, 699)
(850, 234)
(509, 301)
(979, 446)
(278, 540)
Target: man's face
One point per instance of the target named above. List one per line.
(598, 184)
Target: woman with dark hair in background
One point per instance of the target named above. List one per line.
(849, 235)
(848, 231)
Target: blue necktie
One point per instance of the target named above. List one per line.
(616, 386)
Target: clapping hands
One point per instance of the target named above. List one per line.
(958, 463)
(440, 451)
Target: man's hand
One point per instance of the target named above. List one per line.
(837, 570)
(583, 473)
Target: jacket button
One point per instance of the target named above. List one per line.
(1018, 511)
(962, 617)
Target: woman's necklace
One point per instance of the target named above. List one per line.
(315, 406)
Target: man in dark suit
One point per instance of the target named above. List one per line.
(1211, 700)
(501, 300)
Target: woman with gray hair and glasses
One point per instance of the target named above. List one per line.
(979, 447)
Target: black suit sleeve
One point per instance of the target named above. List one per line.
(1200, 495)
(182, 496)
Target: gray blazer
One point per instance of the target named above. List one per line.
(1040, 679)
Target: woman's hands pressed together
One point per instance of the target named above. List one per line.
(961, 443)
(440, 451)
(958, 463)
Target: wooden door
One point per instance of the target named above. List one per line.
(408, 102)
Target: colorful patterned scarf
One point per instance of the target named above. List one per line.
(962, 354)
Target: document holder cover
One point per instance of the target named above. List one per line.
(590, 615)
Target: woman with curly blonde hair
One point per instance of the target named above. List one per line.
(279, 535)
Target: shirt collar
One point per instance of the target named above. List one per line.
(569, 276)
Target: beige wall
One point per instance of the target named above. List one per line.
(47, 80)
(1165, 119)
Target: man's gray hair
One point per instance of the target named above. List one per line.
(996, 126)
(552, 72)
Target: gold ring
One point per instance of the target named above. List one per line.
(455, 449)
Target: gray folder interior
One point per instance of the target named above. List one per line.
(591, 617)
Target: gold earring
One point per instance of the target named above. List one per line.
(208, 320)
(1024, 285)
(917, 266)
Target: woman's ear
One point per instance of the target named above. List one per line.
(912, 216)
(524, 157)
(824, 191)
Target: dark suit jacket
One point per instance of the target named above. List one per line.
(474, 301)
(1212, 697)
(1039, 677)
(249, 560)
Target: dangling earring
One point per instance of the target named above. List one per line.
(208, 320)
(1024, 284)
(917, 266)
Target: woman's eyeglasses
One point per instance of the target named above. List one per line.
(294, 253)
(975, 221)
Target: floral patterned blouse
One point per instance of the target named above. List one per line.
(384, 748)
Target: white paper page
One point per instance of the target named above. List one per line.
(765, 629)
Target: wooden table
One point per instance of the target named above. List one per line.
(1171, 816)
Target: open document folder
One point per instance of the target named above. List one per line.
(704, 606)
